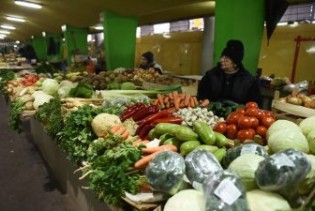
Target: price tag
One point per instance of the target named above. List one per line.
(283, 160)
(248, 148)
(227, 192)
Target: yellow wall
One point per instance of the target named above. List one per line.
(181, 53)
(278, 57)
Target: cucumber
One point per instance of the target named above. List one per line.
(204, 131)
(208, 148)
(188, 146)
(220, 153)
(184, 133)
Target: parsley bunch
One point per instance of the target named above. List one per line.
(17, 107)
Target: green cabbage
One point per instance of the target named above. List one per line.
(259, 200)
(196, 201)
(245, 167)
(50, 86)
(311, 141)
(307, 125)
(287, 138)
(280, 125)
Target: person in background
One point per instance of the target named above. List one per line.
(229, 80)
(147, 62)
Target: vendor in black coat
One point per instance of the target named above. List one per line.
(229, 80)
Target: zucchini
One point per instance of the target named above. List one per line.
(220, 154)
(204, 131)
(188, 146)
(170, 128)
(184, 133)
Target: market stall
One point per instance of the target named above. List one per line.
(153, 149)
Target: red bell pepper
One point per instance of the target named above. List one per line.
(172, 119)
(143, 131)
(144, 112)
(152, 117)
(131, 110)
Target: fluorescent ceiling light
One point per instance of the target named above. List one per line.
(5, 26)
(15, 19)
(44, 34)
(2, 36)
(4, 32)
(28, 4)
(99, 27)
(17, 42)
(282, 24)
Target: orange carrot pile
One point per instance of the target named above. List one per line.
(152, 152)
(178, 100)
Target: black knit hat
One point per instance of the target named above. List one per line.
(149, 56)
(234, 50)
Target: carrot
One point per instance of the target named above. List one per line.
(155, 102)
(170, 95)
(187, 100)
(160, 100)
(175, 95)
(125, 135)
(115, 128)
(182, 96)
(171, 109)
(166, 99)
(182, 104)
(196, 101)
(191, 102)
(205, 103)
(144, 161)
(167, 105)
(121, 130)
(136, 142)
(176, 102)
(150, 150)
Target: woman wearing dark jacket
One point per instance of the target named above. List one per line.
(229, 80)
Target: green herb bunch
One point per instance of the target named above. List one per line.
(49, 114)
(15, 122)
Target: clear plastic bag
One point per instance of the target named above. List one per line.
(200, 164)
(224, 191)
(283, 172)
(166, 171)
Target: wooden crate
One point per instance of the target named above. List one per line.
(289, 111)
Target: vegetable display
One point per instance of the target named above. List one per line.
(224, 108)
(17, 107)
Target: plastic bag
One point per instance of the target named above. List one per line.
(225, 191)
(283, 172)
(166, 171)
(299, 87)
(200, 164)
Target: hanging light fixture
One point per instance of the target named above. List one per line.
(28, 4)
(4, 32)
(6, 26)
(16, 19)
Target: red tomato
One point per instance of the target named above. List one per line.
(252, 112)
(244, 134)
(251, 105)
(244, 122)
(231, 131)
(252, 131)
(261, 130)
(220, 127)
(254, 122)
(269, 113)
(267, 121)
(260, 114)
(240, 111)
(232, 118)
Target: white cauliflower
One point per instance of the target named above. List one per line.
(103, 123)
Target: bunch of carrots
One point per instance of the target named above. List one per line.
(150, 153)
(178, 100)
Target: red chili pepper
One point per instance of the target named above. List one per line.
(152, 117)
(144, 112)
(132, 110)
(173, 119)
(143, 132)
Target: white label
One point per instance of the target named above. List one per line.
(284, 160)
(248, 148)
(227, 192)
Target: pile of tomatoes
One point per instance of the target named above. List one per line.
(29, 80)
(245, 123)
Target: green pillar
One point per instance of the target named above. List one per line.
(76, 41)
(243, 20)
(39, 45)
(53, 43)
(119, 40)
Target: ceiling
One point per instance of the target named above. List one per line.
(83, 13)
